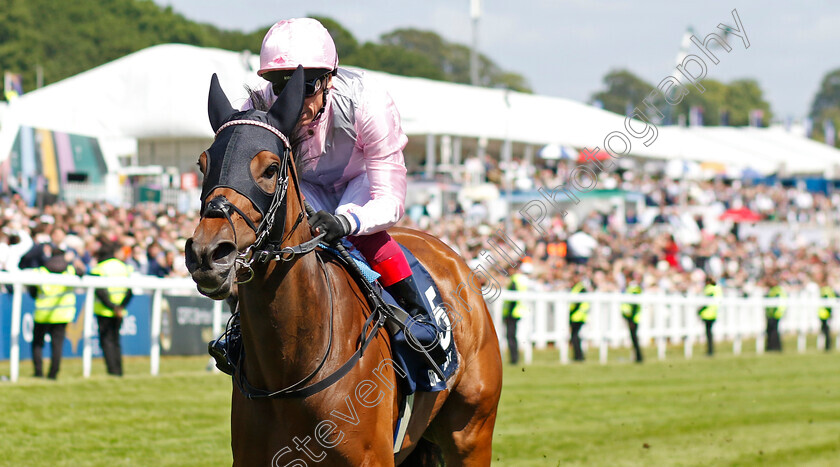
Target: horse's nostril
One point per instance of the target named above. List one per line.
(223, 251)
(189, 255)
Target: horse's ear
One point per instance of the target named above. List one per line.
(285, 112)
(218, 105)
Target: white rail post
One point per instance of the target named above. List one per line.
(87, 333)
(525, 338)
(561, 329)
(14, 351)
(737, 322)
(157, 301)
(688, 326)
(659, 319)
(541, 323)
(561, 316)
(604, 328)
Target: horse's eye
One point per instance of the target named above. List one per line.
(271, 171)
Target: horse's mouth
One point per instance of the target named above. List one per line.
(216, 286)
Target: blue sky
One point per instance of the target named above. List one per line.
(565, 47)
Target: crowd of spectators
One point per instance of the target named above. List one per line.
(152, 235)
(669, 240)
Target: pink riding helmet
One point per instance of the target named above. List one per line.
(297, 41)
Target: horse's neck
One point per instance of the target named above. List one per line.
(286, 312)
(285, 322)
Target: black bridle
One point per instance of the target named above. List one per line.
(268, 247)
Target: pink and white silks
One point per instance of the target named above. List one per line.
(350, 162)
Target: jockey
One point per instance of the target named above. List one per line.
(348, 151)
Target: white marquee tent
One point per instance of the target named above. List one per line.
(160, 94)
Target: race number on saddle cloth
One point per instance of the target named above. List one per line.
(415, 374)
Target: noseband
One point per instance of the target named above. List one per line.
(265, 247)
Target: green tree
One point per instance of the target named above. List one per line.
(17, 29)
(737, 99)
(743, 96)
(72, 37)
(396, 60)
(826, 104)
(345, 43)
(624, 90)
(714, 101)
(453, 60)
(77, 36)
(828, 96)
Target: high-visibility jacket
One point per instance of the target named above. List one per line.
(516, 309)
(776, 311)
(709, 312)
(578, 310)
(826, 292)
(111, 268)
(631, 310)
(55, 303)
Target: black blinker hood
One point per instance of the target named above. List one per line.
(229, 157)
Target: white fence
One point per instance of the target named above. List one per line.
(665, 319)
(158, 286)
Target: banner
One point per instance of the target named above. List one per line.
(134, 333)
(186, 325)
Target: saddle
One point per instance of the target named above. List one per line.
(420, 369)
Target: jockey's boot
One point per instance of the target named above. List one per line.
(425, 332)
(226, 348)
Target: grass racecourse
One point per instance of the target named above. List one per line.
(727, 410)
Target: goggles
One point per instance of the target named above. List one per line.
(310, 88)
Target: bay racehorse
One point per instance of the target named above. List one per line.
(302, 395)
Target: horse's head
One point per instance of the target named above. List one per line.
(245, 172)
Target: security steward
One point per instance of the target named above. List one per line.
(55, 306)
(578, 312)
(631, 313)
(774, 314)
(110, 304)
(708, 313)
(512, 311)
(825, 315)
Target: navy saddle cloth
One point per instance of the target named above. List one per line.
(416, 375)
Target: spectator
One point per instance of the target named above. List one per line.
(578, 312)
(774, 313)
(512, 312)
(632, 312)
(55, 306)
(708, 313)
(110, 304)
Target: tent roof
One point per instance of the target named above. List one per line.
(161, 92)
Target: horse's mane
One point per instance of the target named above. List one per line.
(259, 102)
(257, 99)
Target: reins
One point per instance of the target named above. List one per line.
(264, 251)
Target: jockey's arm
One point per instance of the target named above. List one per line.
(382, 140)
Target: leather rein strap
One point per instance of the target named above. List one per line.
(274, 252)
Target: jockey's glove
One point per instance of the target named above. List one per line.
(335, 226)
